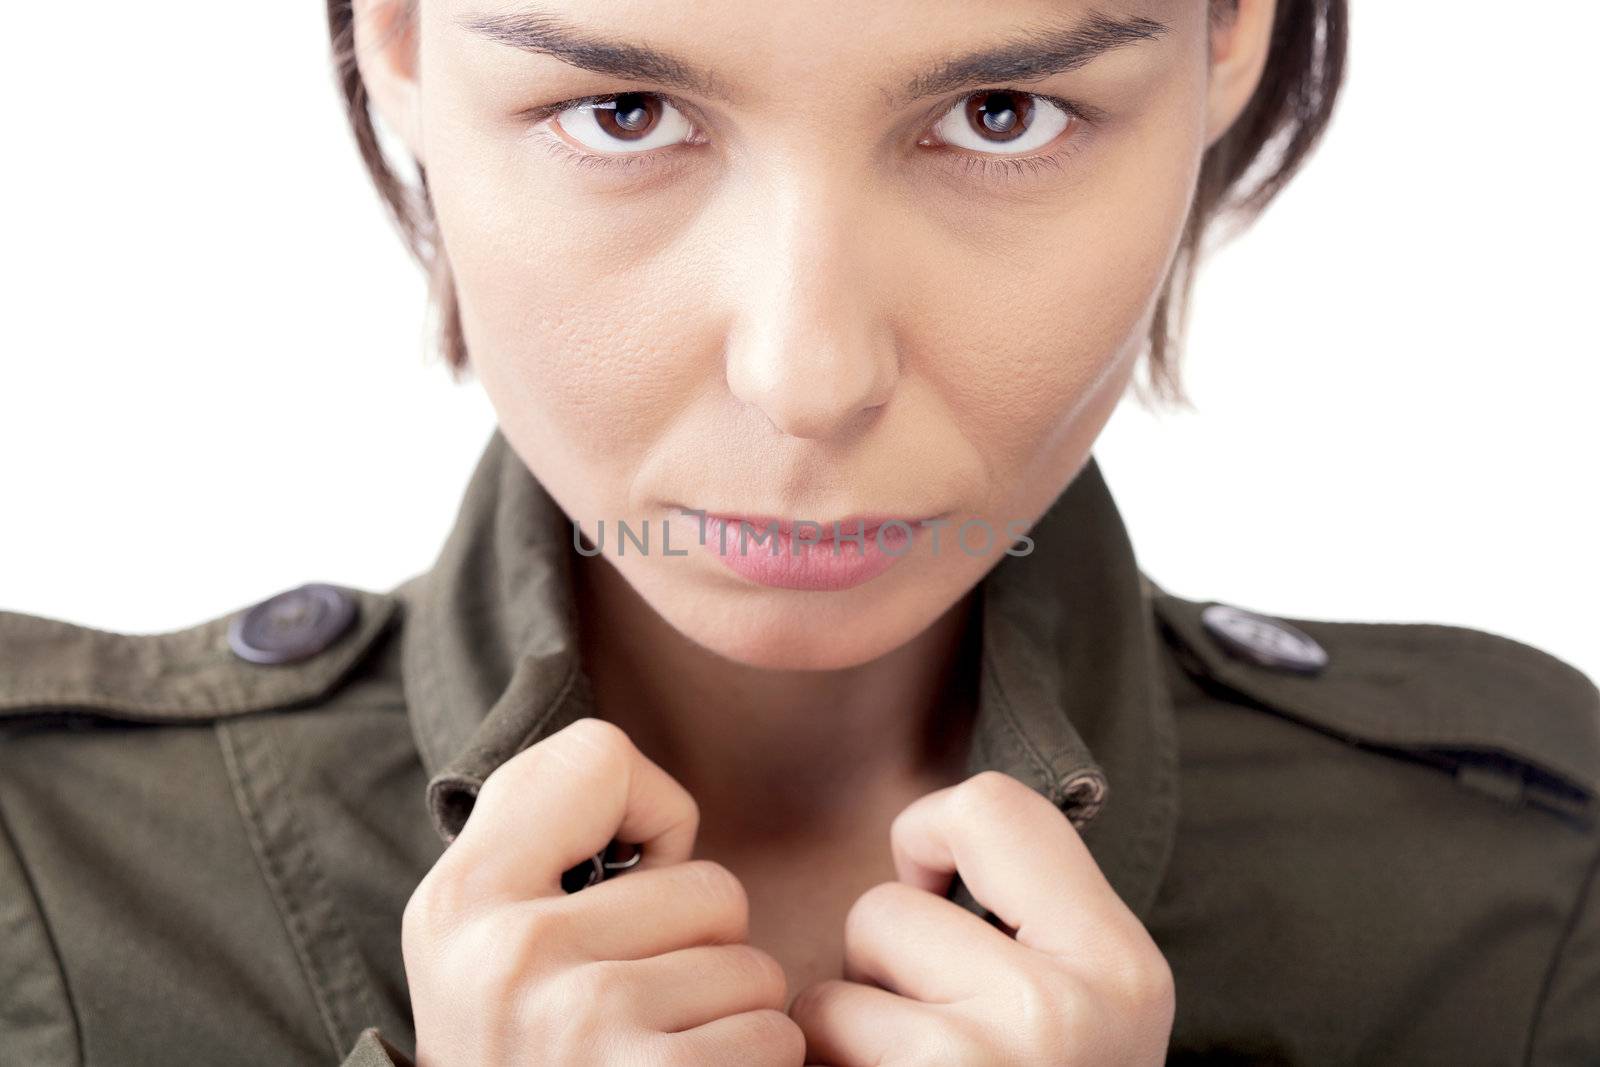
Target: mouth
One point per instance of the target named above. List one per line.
(826, 555)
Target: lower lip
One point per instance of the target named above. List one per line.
(824, 565)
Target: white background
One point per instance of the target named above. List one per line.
(214, 379)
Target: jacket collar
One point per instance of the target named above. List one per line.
(1072, 699)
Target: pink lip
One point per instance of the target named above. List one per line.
(828, 564)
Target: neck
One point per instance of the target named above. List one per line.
(791, 755)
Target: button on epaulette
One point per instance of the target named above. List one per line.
(1263, 640)
(293, 625)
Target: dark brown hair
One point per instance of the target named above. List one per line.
(1239, 176)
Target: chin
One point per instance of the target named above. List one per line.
(786, 646)
(785, 630)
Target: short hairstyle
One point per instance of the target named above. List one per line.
(1240, 174)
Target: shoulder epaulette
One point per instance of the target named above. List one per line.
(290, 649)
(1505, 716)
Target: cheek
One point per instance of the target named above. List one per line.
(1055, 301)
(575, 333)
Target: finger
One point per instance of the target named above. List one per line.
(559, 802)
(924, 947)
(645, 913)
(847, 1024)
(692, 986)
(762, 1038)
(1018, 855)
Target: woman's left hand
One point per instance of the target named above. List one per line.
(928, 982)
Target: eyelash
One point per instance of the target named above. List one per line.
(620, 162)
(990, 167)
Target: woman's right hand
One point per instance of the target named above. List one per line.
(648, 967)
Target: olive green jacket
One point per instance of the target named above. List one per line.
(1386, 857)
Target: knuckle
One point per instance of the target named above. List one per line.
(774, 1029)
(691, 805)
(436, 905)
(417, 924)
(1048, 1006)
(421, 911)
(596, 988)
(501, 783)
(989, 792)
(499, 956)
(599, 736)
(814, 1000)
(517, 945)
(755, 968)
(594, 746)
(506, 783)
(546, 922)
(557, 1005)
(499, 969)
(719, 886)
(1145, 981)
(477, 961)
(493, 794)
(764, 1035)
(665, 1050)
(955, 1042)
(878, 902)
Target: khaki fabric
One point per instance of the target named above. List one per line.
(204, 860)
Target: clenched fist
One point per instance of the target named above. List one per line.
(927, 982)
(648, 968)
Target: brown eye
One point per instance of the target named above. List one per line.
(999, 116)
(624, 123)
(1003, 122)
(629, 117)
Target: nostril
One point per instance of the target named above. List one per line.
(813, 391)
(821, 424)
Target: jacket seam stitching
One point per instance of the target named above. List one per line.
(10, 843)
(317, 882)
(270, 875)
(1569, 929)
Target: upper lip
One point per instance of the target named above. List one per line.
(848, 524)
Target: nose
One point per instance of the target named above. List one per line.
(810, 346)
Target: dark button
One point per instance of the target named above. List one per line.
(1264, 641)
(292, 625)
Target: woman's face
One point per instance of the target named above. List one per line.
(826, 260)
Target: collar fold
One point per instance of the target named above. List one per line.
(1071, 694)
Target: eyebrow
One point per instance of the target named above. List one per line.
(1035, 54)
